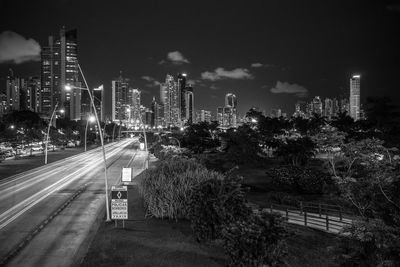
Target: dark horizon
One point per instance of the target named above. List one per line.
(303, 49)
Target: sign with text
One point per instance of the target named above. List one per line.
(119, 203)
(127, 175)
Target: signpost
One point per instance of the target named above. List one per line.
(126, 175)
(119, 204)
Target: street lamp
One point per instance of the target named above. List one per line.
(90, 119)
(48, 131)
(69, 87)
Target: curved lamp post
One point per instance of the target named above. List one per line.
(90, 119)
(145, 141)
(48, 131)
(69, 87)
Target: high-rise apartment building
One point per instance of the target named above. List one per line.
(120, 100)
(328, 108)
(134, 96)
(317, 105)
(14, 89)
(98, 98)
(227, 116)
(171, 100)
(189, 104)
(355, 97)
(203, 115)
(59, 67)
(32, 96)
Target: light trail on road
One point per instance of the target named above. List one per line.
(31, 188)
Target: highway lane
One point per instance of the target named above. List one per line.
(27, 199)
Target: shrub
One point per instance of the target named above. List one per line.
(216, 202)
(369, 244)
(257, 241)
(297, 180)
(164, 152)
(166, 189)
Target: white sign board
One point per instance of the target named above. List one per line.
(119, 203)
(127, 175)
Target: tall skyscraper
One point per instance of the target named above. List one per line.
(119, 99)
(59, 67)
(328, 109)
(171, 100)
(134, 95)
(355, 97)
(189, 104)
(227, 116)
(203, 115)
(14, 88)
(98, 95)
(317, 105)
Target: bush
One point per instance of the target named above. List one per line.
(258, 241)
(297, 180)
(163, 152)
(216, 202)
(369, 244)
(166, 189)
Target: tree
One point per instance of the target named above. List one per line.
(242, 144)
(296, 152)
(200, 136)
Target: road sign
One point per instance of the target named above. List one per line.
(119, 203)
(127, 175)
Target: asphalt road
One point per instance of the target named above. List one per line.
(29, 198)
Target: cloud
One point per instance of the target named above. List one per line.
(287, 88)
(152, 82)
(175, 57)
(214, 87)
(256, 65)
(193, 82)
(14, 47)
(221, 73)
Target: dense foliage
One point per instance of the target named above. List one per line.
(297, 180)
(214, 203)
(256, 241)
(167, 188)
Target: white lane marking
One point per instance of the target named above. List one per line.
(30, 202)
(22, 175)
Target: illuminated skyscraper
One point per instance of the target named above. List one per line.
(134, 96)
(227, 116)
(120, 99)
(14, 87)
(317, 105)
(59, 66)
(355, 97)
(171, 100)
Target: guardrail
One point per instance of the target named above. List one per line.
(317, 220)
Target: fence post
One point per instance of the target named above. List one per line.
(287, 214)
(301, 207)
(305, 218)
(319, 209)
(327, 223)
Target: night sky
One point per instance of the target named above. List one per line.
(269, 53)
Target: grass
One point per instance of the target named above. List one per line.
(150, 242)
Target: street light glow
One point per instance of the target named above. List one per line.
(92, 118)
(68, 87)
(62, 110)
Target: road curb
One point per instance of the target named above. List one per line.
(6, 259)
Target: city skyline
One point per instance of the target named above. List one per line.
(279, 60)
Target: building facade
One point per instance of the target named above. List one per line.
(354, 100)
(120, 100)
(59, 67)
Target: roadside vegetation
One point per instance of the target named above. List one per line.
(354, 165)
